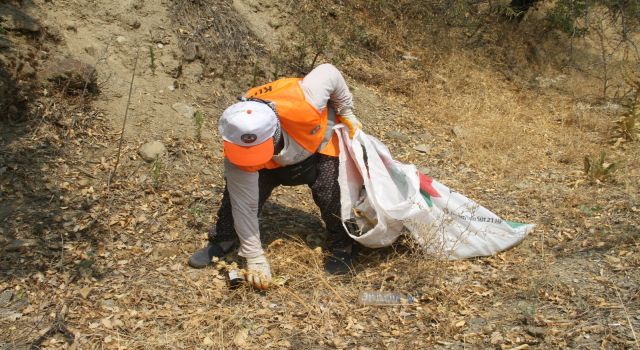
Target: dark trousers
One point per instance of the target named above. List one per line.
(320, 173)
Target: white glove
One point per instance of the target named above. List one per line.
(258, 272)
(349, 119)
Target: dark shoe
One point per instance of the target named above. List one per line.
(203, 256)
(339, 261)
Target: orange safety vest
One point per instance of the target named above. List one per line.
(299, 119)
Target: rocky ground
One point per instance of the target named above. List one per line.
(94, 257)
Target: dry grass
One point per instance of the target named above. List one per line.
(122, 273)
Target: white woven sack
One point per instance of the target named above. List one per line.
(383, 192)
(384, 197)
(456, 227)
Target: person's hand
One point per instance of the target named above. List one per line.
(258, 272)
(349, 119)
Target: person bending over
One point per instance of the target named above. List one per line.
(281, 133)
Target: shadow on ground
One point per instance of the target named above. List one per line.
(36, 159)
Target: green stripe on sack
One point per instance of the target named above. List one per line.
(427, 198)
(514, 224)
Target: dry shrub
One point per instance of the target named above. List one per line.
(505, 129)
(219, 35)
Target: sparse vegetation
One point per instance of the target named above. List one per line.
(629, 127)
(198, 121)
(596, 169)
(157, 168)
(197, 215)
(629, 124)
(301, 52)
(527, 101)
(152, 60)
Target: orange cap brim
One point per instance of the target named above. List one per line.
(249, 156)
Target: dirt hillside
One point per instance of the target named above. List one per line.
(96, 258)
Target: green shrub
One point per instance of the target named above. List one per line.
(198, 120)
(152, 60)
(565, 15)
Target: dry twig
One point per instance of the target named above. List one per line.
(124, 122)
(626, 314)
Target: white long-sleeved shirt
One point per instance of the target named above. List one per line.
(323, 87)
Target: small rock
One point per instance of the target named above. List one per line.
(396, 135)
(409, 57)
(83, 183)
(274, 23)
(13, 18)
(184, 110)
(27, 70)
(133, 22)
(152, 150)
(121, 39)
(71, 74)
(190, 52)
(422, 148)
(71, 26)
(160, 45)
(457, 131)
(5, 297)
(54, 32)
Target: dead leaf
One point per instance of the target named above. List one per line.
(338, 342)
(106, 323)
(240, 340)
(207, 341)
(84, 292)
(29, 309)
(117, 323)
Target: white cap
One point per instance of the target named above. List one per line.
(247, 128)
